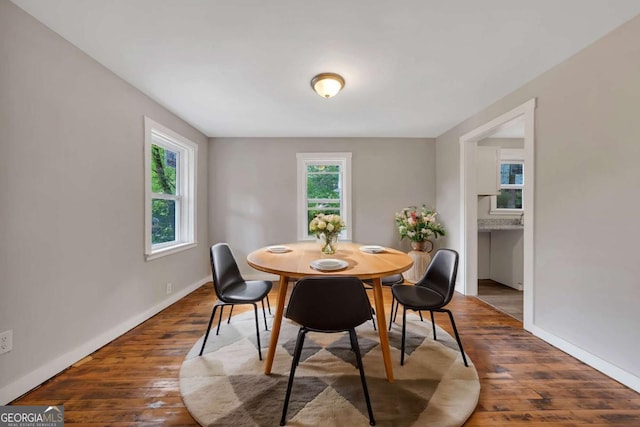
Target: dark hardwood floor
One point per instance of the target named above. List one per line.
(134, 379)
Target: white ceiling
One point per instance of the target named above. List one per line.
(413, 68)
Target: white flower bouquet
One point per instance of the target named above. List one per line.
(418, 225)
(326, 228)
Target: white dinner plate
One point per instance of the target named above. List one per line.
(277, 249)
(372, 249)
(328, 264)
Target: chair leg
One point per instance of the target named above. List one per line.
(294, 363)
(455, 330)
(404, 330)
(373, 319)
(420, 314)
(391, 317)
(255, 311)
(268, 305)
(230, 313)
(264, 314)
(220, 319)
(356, 348)
(354, 344)
(206, 335)
(433, 324)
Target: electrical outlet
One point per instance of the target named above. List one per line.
(6, 341)
(169, 288)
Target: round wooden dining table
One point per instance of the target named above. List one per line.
(296, 263)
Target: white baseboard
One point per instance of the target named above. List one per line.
(516, 286)
(595, 362)
(22, 385)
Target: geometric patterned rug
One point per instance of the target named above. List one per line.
(227, 385)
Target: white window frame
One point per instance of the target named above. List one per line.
(156, 134)
(309, 159)
(511, 156)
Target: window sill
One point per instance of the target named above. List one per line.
(506, 212)
(170, 250)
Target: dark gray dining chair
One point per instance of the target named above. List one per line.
(231, 289)
(328, 304)
(433, 292)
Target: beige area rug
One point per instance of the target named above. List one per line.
(227, 385)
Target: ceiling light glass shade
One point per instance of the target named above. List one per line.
(327, 84)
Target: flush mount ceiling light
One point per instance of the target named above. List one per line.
(327, 84)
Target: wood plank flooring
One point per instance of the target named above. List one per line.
(502, 297)
(134, 379)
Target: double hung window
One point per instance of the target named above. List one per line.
(511, 183)
(170, 162)
(324, 186)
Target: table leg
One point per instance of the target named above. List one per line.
(277, 320)
(382, 328)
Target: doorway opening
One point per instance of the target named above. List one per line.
(523, 117)
(501, 218)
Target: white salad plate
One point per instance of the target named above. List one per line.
(328, 264)
(277, 249)
(372, 249)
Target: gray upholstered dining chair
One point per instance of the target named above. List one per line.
(231, 289)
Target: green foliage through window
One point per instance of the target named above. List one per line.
(511, 181)
(163, 221)
(163, 181)
(323, 190)
(324, 184)
(509, 198)
(163, 170)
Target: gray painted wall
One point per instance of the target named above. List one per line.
(587, 134)
(484, 255)
(71, 211)
(253, 189)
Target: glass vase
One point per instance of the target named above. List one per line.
(328, 243)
